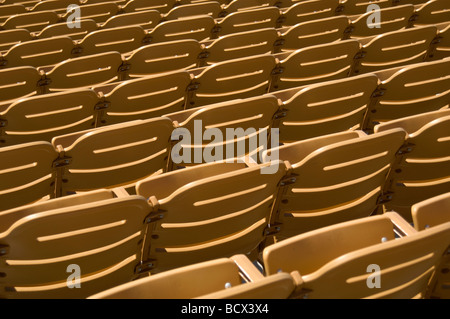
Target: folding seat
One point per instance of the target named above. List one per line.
(58, 6)
(430, 213)
(183, 2)
(334, 178)
(411, 90)
(433, 12)
(391, 19)
(247, 21)
(26, 175)
(17, 83)
(163, 57)
(61, 29)
(308, 11)
(315, 64)
(210, 8)
(99, 12)
(196, 28)
(326, 108)
(46, 245)
(233, 79)
(42, 52)
(441, 49)
(112, 156)
(206, 212)
(145, 98)
(121, 39)
(40, 118)
(241, 5)
(240, 45)
(352, 7)
(33, 21)
(163, 6)
(9, 38)
(422, 168)
(215, 279)
(360, 259)
(7, 11)
(241, 128)
(86, 71)
(146, 19)
(309, 33)
(395, 48)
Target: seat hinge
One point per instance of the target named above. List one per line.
(222, 14)
(360, 55)
(77, 50)
(280, 114)
(279, 42)
(147, 39)
(281, 19)
(103, 104)
(339, 9)
(154, 216)
(145, 266)
(3, 61)
(216, 29)
(124, 67)
(3, 123)
(349, 29)
(272, 229)
(384, 198)
(62, 161)
(288, 180)
(405, 149)
(4, 250)
(379, 92)
(277, 70)
(437, 40)
(44, 81)
(203, 55)
(193, 87)
(413, 18)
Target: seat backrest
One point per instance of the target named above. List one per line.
(99, 12)
(342, 258)
(209, 8)
(146, 19)
(317, 64)
(442, 50)
(241, 126)
(327, 108)
(431, 212)
(8, 38)
(164, 57)
(241, 5)
(423, 170)
(9, 10)
(242, 44)
(120, 39)
(396, 48)
(86, 71)
(32, 21)
(352, 7)
(238, 78)
(145, 98)
(391, 19)
(208, 211)
(61, 29)
(41, 52)
(412, 90)
(249, 20)
(42, 117)
(163, 6)
(94, 236)
(16, 83)
(116, 155)
(309, 10)
(309, 33)
(196, 28)
(58, 6)
(433, 12)
(335, 181)
(26, 173)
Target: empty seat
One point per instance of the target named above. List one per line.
(7, 11)
(121, 39)
(241, 127)
(26, 174)
(9, 38)
(86, 71)
(391, 19)
(146, 19)
(58, 6)
(206, 212)
(163, 57)
(433, 12)
(344, 260)
(99, 12)
(422, 170)
(95, 235)
(17, 83)
(197, 28)
(241, 44)
(351, 7)
(233, 79)
(326, 108)
(308, 11)
(145, 98)
(241, 5)
(334, 178)
(396, 48)
(209, 8)
(248, 20)
(37, 53)
(61, 29)
(115, 155)
(33, 21)
(213, 279)
(411, 90)
(314, 32)
(442, 45)
(40, 118)
(316, 64)
(162, 6)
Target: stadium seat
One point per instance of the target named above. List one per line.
(309, 10)
(7, 11)
(146, 19)
(32, 21)
(209, 8)
(17, 83)
(433, 12)
(9, 38)
(162, 6)
(61, 29)
(58, 6)
(99, 12)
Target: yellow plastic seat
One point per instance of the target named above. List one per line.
(32, 21)
(58, 6)
(9, 38)
(61, 29)
(242, 5)
(162, 6)
(433, 12)
(146, 19)
(17, 83)
(99, 12)
(442, 48)
(352, 7)
(209, 8)
(309, 10)
(7, 11)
